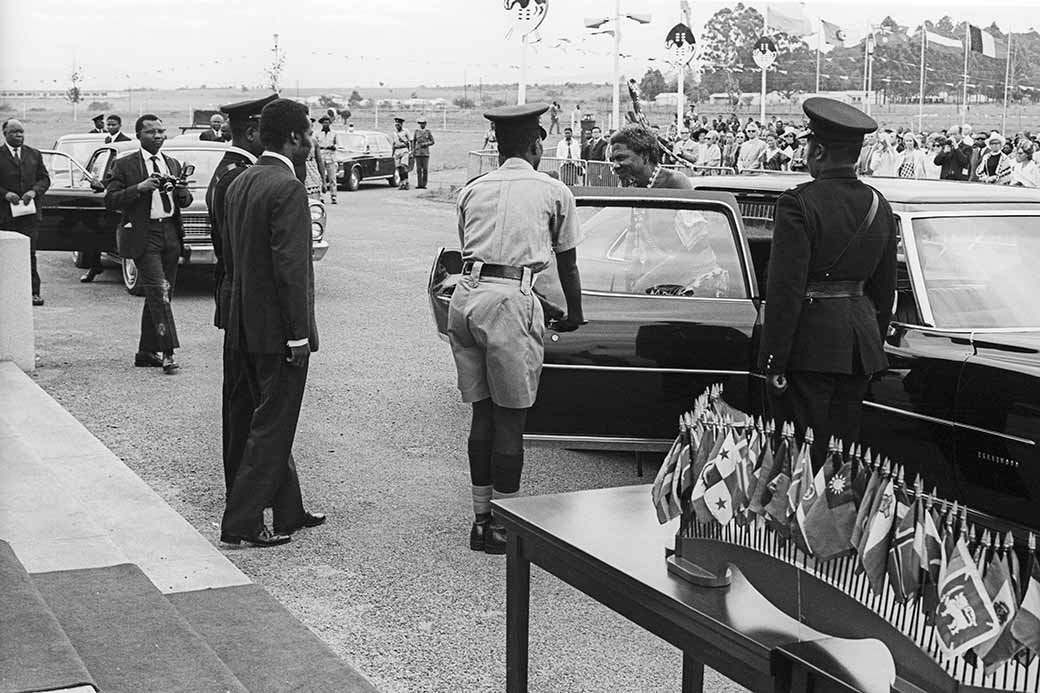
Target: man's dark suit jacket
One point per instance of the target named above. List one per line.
(813, 241)
(121, 194)
(267, 260)
(121, 137)
(20, 179)
(595, 150)
(211, 135)
(227, 171)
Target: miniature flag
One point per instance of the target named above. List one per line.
(774, 499)
(754, 459)
(1003, 647)
(986, 43)
(763, 475)
(741, 474)
(801, 476)
(682, 466)
(928, 544)
(828, 524)
(813, 490)
(866, 504)
(965, 617)
(663, 484)
(873, 549)
(832, 33)
(904, 566)
(789, 19)
(720, 480)
(1026, 626)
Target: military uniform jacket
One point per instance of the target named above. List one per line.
(422, 141)
(814, 223)
(235, 161)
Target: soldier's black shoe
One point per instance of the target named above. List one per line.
(478, 533)
(309, 520)
(495, 539)
(263, 539)
(144, 359)
(37, 300)
(169, 366)
(91, 274)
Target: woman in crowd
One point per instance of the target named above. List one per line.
(729, 150)
(911, 159)
(1025, 172)
(775, 158)
(884, 160)
(995, 165)
(711, 153)
(932, 145)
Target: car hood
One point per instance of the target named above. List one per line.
(1021, 348)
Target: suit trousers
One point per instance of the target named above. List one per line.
(237, 407)
(266, 475)
(27, 227)
(157, 273)
(422, 170)
(831, 404)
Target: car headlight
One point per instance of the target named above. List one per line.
(316, 231)
(317, 212)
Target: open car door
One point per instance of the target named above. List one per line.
(73, 209)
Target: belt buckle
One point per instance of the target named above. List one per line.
(473, 277)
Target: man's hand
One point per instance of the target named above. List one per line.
(31, 194)
(298, 355)
(12, 198)
(148, 185)
(567, 324)
(778, 383)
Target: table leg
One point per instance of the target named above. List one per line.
(692, 675)
(518, 602)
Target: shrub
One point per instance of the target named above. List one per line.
(99, 106)
(463, 102)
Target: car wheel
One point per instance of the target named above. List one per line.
(131, 277)
(394, 180)
(84, 259)
(354, 179)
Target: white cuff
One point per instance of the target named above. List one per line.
(298, 342)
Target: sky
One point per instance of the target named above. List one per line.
(342, 44)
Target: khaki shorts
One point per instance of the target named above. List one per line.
(496, 330)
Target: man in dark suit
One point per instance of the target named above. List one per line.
(114, 127)
(215, 132)
(596, 148)
(237, 403)
(23, 181)
(155, 237)
(99, 125)
(831, 283)
(270, 325)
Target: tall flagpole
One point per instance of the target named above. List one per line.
(521, 88)
(1007, 85)
(866, 65)
(819, 39)
(920, 99)
(964, 96)
(762, 106)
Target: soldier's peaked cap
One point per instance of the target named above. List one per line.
(520, 117)
(99, 118)
(246, 110)
(835, 121)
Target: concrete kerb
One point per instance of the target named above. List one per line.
(17, 342)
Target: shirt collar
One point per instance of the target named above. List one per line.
(515, 162)
(837, 172)
(148, 157)
(12, 149)
(243, 153)
(281, 157)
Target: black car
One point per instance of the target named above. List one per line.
(75, 218)
(960, 403)
(364, 155)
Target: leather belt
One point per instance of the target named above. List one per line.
(498, 271)
(849, 289)
(164, 220)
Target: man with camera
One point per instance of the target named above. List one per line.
(954, 157)
(150, 191)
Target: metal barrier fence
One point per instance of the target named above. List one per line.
(579, 172)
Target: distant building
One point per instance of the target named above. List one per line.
(59, 94)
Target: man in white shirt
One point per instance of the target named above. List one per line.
(752, 152)
(568, 147)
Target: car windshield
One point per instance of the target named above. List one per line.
(204, 161)
(353, 143)
(80, 151)
(981, 272)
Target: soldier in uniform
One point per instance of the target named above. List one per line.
(326, 143)
(831, 280)
(99, 125)
(422, 140)
(495, 321)
(237, 403)
(402, 151)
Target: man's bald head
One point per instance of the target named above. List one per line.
(216, 121)
(14, 132)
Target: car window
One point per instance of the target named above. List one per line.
(352, 143)
(63, 171)
(381, 145)
(99, 164)
(205, 162)
(660, 251)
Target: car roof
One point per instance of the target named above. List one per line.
(364, 132)
(82, 137)
(898, 191)
(173, 144)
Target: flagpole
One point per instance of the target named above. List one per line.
(866, 63)
(1007, 85)
(819, 38)
(920, 100)
(964, 95)
(762, 106)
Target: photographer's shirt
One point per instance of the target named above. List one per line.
(157, 206)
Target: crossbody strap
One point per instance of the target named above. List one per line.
(868, 221)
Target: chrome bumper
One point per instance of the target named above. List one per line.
(202, 253)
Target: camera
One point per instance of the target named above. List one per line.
(168, 183)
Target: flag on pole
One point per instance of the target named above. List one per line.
(965, 617)
(744, 468)
(754, 456)
(763, 475)
(986, 43)
(873, 549)
(903, 561)
(866, 502)
(828, 524)
(928, 544)
(1003, 646)
(662, 487)
(813, 490)
(833, 34)
(801, 476)
(1026, 626)
(775, 496)
(943, 43)
(789, 19)
(719, 481)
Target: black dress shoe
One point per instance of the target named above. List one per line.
(309, 520)
(147, 359)
(37, 300)
(263, 539)
(478, 532)
(169, 366)
(495, 539)
(90, 275)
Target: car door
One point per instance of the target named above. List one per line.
(384, 156)
(368, 159)
(73, 209)
(671, 309)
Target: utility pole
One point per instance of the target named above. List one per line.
(276, 66)
(615, 114)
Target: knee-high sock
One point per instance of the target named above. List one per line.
(506, 470)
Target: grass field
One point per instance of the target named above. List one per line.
(458, 131)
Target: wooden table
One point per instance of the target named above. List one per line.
(608, 544)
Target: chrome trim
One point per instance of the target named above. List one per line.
(945, 422)
(638, 369)
(615, 294)
(602, 442)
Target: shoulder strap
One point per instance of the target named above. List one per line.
(867, 222)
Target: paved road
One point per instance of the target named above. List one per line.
(389, 582)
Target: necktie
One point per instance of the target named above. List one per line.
(167, 204)
(18, 155)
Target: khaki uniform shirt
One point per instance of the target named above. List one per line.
(517, 216)
(326, 143)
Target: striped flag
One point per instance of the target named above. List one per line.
(754, 458)
(928, 547)
(965, 617)
(873, 549)
(943, 44)
(904, 566)
(814, 490)
(801, 476)
(763, 475)
(1026, 626)
(986, 43)
(661, 489)
(866, 502)
(775, 496)
(1003, 646)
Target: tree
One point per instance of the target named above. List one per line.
(463, 102)
(74, 95)
(652, 84)
(326, 101)
(355, 99)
